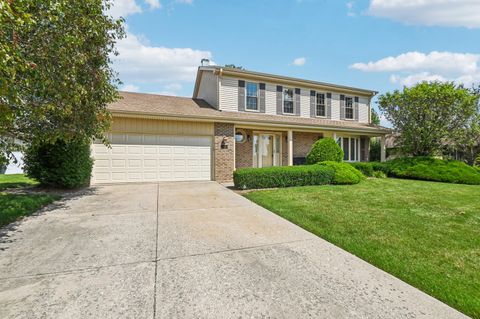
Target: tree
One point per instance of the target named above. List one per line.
(56, 79)
(375, 118)
(428, 114)
(233, 66)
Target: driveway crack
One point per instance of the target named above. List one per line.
(156, 259)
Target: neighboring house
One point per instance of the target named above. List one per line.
(235, 119)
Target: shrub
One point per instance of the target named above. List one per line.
(379, 174)
(380, 167)
(365, 168)
(62, 165)
(374, 149)
(282, 176)
(432, 169)
(325, 149)
(344, 173)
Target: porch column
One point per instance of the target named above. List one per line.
(290, 147)
(382, 149)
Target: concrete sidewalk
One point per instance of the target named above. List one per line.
(188, 250)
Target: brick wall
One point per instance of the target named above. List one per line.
(302, 143)
(244, 151)
(224, 157)
(364, 149)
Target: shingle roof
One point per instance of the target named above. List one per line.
(171, 106)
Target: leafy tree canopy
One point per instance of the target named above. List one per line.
(375, 118)
(429, 115)
(55, 74)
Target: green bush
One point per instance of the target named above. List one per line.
(380, 167)
(364, 167)
(344, 173)
(432, 169)
(379, 174)
(61, 165)
(325, 149)
(282, 176)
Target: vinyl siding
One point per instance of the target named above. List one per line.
(229, 94)
(163, 127)
(305, 103)
(363, 110)
(229, 100)
(208, 88)
(336, 106)
(270, 99)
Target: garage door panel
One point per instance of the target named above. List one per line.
(142, 157)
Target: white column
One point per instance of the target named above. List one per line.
(382, 149)
(290, 147)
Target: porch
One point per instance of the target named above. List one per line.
(257, 147)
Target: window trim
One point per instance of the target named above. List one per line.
(353, 108)
(283, 100)
(357, 154)
(258, 97)
(243, 132)
(324, 103)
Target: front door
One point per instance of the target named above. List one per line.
(266, 150)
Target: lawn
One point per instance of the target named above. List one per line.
(425, 233)
(14, 205)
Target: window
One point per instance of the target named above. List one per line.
(349, 108)
(288, 101)
(320, 104)
(252, 96)
(351, 148)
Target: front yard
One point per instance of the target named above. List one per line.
(16, 201)
(425, 233)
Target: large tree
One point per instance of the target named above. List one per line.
(429, 115)
(55, 74)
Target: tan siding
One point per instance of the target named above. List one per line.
(208, 88)
(164, 127)
(363, 110)
(271, 99)
(335, 106)
(229, 94)
(305, 103)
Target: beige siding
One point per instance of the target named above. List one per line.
(208, 88)
(335, 106)
(163, 127)
(270, 99)
(305, 103)
(363, 110)
(229, 94)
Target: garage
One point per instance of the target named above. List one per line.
(136, 157)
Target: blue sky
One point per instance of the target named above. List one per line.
(376, 44)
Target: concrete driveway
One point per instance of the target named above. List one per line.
(188, 250)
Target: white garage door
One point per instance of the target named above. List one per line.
(146, 158)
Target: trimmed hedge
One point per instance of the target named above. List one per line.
(345, 174)
(282, 176)
(325, 149)
(60, 165)
(432, 169)
(364, 167)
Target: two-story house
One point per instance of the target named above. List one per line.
(235, 119)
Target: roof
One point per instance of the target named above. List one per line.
(225, 71)
(189, 108)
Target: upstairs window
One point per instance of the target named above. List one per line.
(349, 108)
(287, 101)
(320, 110)
(252, 96)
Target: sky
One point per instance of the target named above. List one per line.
(381, 45)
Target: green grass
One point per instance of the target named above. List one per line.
(425, 233)
(15, 181)
(13, 206)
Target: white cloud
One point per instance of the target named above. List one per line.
(350, 11)
(123, 8)
(449, 13)
(139, 62)
(130, 88)
(154, 4)
(299, 61)
(184, 1)
(415, 67)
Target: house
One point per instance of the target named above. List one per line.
(236, 118)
